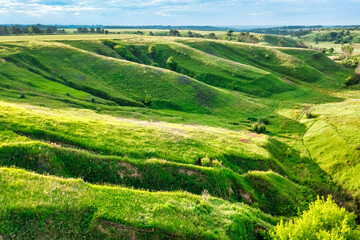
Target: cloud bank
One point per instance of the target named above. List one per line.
(181, 12)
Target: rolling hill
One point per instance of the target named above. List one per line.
(152, 137)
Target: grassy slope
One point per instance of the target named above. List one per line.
(49, 207)
(333, 140)
(127, 154)
(116, 147)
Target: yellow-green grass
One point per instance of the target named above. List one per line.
(119, 81)
(132, 138)
(76, 108)
(35, 206)
(333, 141)
(122, 151)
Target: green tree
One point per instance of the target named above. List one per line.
(151, 33)
(229, 33)
(212, 36)
(152, 50)
(189, 34)
(174, 33)
(331, 50)
(324, 220)
(99, 30)
(171, 64)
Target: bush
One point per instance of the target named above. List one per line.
(351, 80)
(171, 64)
(152, 50)
(324, 220)
(205, 162)
(216, 163)
(264, 121)
(259, 127)
(125, 53)
(110, 43)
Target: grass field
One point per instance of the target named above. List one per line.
(100, 137)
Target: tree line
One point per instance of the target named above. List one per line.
(29, 29)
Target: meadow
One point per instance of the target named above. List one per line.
(154, 137)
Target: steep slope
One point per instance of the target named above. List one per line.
(54, 208)
(197, 64)
(333, 140)
(100, 148)
(111, 112)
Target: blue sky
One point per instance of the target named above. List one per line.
(181, 12)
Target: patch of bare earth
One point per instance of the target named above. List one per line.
(128, 170)
(190, 172)
(246, 196)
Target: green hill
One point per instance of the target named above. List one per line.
(159, 132)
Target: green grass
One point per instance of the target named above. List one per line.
(76, 106)
(333, 140)
(49, 207)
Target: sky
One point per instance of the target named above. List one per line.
(181, 12)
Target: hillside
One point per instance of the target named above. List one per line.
(152, 137)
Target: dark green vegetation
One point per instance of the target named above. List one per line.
(253, 133)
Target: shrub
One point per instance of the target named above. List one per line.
(125, 53)
(212, 36)
(110, 43)
(324, 220)
(152, 50)
(22, 96)
(205, 162)
(259, 127)
(264, 120)
(351, 80)
(171, 64)
(216, 163)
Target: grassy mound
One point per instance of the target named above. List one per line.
(49, 207)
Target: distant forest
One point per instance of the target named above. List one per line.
(294, 31)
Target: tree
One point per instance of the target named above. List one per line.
(151, 33)
(331, 50)
(174, 33)
(189, 34)
(229, 33)
(106, 31)
(171, 64)
(4, 30)
(152, 50)
(324, 220)
(99, 30)
(15, 30)
(92, 30)
(79, 30)
(212, 36)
